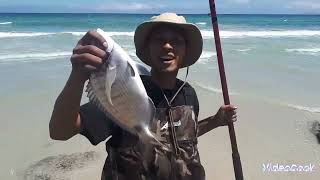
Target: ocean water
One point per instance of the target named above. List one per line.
(270, 58)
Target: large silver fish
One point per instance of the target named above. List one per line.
(117, 89)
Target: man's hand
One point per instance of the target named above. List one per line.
(89, 54)
(225, 115)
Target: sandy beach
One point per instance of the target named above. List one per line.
(266, 133)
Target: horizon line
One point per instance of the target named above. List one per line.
(130, 13)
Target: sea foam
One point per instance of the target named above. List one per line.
(34, 34)
(262, 34)
(212, 89)
(207, 34)
(28, 56)
(244, 50)
(201, 23)
(206, 56)
(16, 34)
(5, 23)
(305, 108)
(305, 51)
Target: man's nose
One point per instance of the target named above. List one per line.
(167, 46)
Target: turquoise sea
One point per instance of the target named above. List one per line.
(272, 57)
(269, 58)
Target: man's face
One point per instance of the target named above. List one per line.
(167, 48)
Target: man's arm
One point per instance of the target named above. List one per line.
(88, 56)
(226, 114)
(65, 120)
(207, 125)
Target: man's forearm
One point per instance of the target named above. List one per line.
(207, 125)
(65, 122)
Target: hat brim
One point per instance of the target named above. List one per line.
(192, 35)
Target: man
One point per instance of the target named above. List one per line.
(166, 43)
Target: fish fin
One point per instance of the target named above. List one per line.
(111, 76)
(132, 70)
(151, 103)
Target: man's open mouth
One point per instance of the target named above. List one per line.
(167, 58)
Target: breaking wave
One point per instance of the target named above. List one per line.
(263, 34)
(201, 23)
(15, 34)
(110, 33)
(28, 56)
(5, 23)
(205, 33)
(244, 50)
(305, 51)
(212, 89)
(206, 56)
(304, 108)
(34, 34)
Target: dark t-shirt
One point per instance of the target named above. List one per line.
(97, 127)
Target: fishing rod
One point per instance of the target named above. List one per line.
(235, 153)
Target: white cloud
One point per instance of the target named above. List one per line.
(305, 6)
(131, 7)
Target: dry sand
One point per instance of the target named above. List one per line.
(266, 133)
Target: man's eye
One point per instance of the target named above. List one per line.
(179, 41)
(173, 41)
(157, 40)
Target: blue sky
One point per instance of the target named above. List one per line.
(158, 6)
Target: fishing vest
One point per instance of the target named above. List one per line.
(182, 162)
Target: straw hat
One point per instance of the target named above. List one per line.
(191, 32)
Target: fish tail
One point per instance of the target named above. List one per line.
(148, 137)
